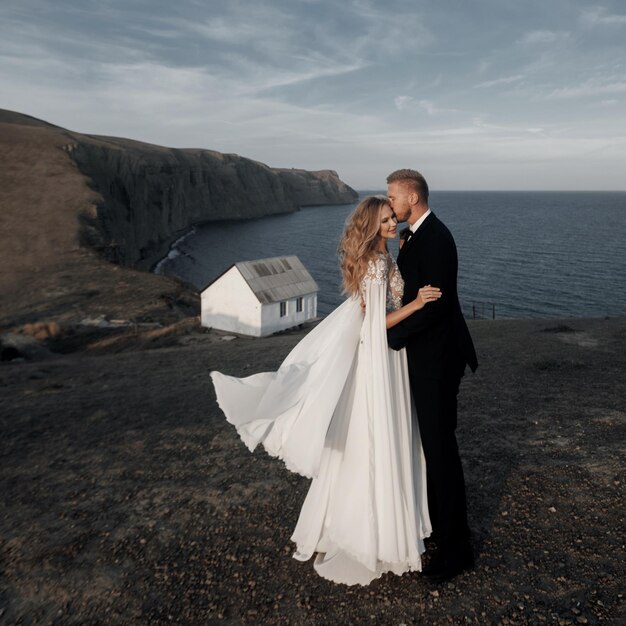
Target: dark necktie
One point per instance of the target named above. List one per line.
(406, 234)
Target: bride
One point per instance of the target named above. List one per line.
(339, 411)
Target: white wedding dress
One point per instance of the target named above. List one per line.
(338, 410)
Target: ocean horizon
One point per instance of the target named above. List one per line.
(522, 254)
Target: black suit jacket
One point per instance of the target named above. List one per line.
(436, 337)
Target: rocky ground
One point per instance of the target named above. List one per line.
(127, 498)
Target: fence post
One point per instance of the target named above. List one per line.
(480, 310)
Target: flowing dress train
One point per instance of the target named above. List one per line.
(339, 411)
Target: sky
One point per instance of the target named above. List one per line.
(478, 94)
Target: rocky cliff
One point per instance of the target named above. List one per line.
(148, 195)
(67, 200)
(152, 194)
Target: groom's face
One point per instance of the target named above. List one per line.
(398, 196)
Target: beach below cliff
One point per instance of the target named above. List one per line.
(128, 499)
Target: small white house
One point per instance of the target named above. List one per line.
(260, 297)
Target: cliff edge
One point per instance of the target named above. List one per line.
(149, 194)
(68, 201)
(152, 194)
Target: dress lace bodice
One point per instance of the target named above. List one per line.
(383, 270)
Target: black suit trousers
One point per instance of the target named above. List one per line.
(436, 405)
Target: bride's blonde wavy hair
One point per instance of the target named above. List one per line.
(358, 242)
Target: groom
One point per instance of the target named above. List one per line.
(438, 346)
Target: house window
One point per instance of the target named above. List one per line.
(283, 309)
(299, 305)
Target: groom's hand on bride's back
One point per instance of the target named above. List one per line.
(393, 340)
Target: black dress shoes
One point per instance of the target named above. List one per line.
(440, 569)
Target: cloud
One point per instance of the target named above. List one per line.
(402, 102)
(408, 102)
(340, 39)
(516, 130)
(433, 109)
(588, 89)
(437, 81)
(248, 30)
(599, 16)
(506, 80)
(495, 146)
(538, 37)
(265, 49)
(383, 29)
(430, 107)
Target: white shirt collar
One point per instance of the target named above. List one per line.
(420, 221)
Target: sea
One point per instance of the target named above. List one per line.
(521, 254)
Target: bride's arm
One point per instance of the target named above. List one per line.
(424, 296)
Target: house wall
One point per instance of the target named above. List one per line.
(229, 304)
(272, 322)
(310, 306)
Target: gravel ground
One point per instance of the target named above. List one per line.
(127, 498)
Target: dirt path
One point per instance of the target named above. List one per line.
(127, 499)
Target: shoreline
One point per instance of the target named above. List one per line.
(163, 249)
(155, 269)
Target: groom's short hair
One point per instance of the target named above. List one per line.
(414, 179)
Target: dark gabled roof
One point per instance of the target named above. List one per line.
(276, 279)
